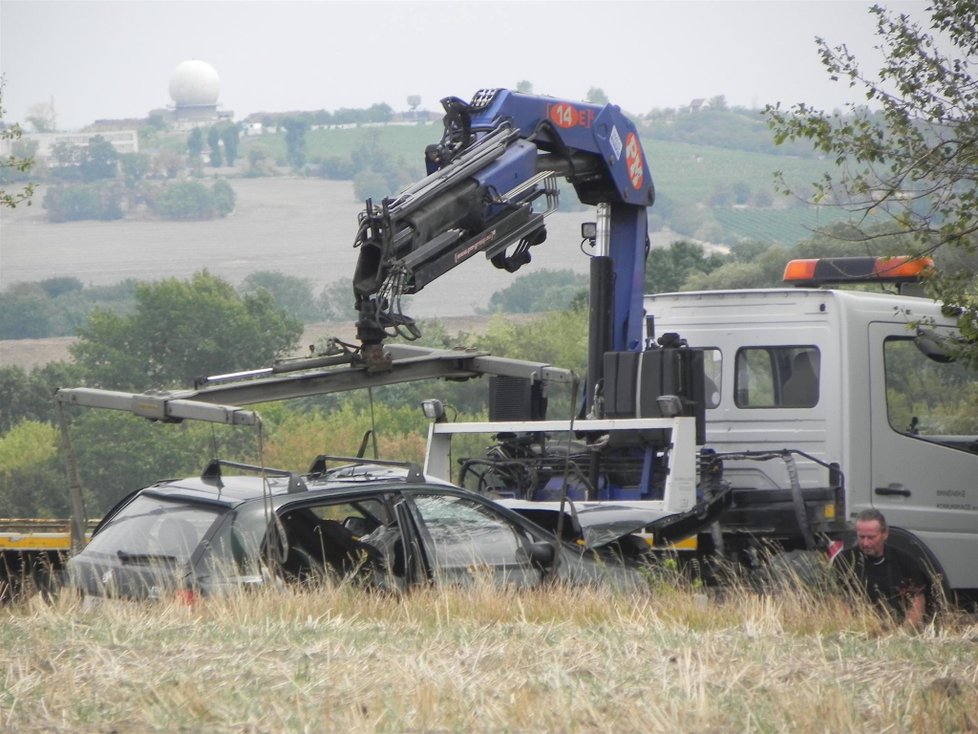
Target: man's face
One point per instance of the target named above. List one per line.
(871, 537)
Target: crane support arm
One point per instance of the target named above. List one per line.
(490, 184)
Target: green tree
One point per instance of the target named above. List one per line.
(118, 453)
(379, 112)
(186, 200)
(195, 143)
(370, 184)
(76, 202)
(180, 330)
(295, 141)
(214, 143)
(668, 269)
(543, 290)
(913, 163)
(378, 172)
(42, 117)
(337, 168)
(524, 86)
(765, 270)
(99, 160)
(224, 197)
(24, 314)
(135, 167)
(13, 165)
(169, 163)
(31, 473)
(55, 287)
(67, 159)
(259, 162)
(719, 102)
(288, 291)
(230, 136)
(335, 301)
(29, 395)
(596, 95)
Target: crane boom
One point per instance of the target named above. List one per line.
(498, 158)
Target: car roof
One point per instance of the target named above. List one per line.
(235, 490)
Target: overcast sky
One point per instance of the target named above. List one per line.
(114, 59)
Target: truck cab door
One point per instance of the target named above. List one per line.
(924, 448)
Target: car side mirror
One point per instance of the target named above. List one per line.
(933, 345)
(542, 555)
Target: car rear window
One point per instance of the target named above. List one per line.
(152, 527)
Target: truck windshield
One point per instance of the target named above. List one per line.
(930, 397)
(152, 527)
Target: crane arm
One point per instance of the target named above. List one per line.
(490, 183)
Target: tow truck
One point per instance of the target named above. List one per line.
(690, 405)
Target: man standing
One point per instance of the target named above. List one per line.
(889, 577)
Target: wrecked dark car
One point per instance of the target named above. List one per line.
(370, 524)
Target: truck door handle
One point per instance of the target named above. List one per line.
(897, 490)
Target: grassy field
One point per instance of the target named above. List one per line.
(484, 660)
(687, 175)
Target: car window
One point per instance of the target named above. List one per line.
(930, 398)
(361, 516)
(338, 539)
(153, 527)
(235, 547)
(712, 376)
(465, 533)
(777, 377)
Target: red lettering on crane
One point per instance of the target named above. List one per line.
(634, 160)
(566, 115)
(563, 115)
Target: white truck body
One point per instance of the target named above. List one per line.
(902, 427)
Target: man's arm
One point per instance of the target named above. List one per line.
(916, 608)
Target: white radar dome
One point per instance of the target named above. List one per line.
(194, 83)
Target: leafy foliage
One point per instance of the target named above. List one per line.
(71, 203)
(543, 290)
(185, 200)
(230, 136)
(378, 172)
(195, 142)
(181, 330)
(668, 269)
(56, 306)
(192, 200)
(99, 160)
(299, 437)
(223, 196)
(118, 452)
(29, 396)
(910, 167)
(289, 292)
(31, 471)
(214, 143)
(295, 141)
(12, 165)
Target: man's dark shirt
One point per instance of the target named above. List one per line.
(890, 581)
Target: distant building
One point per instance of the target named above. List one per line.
(124, 141)
(194, 89)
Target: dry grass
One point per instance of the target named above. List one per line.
(483, 660)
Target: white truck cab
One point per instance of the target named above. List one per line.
(862, 380)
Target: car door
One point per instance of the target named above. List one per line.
(924, 458)
(466, 541)
(344, 539)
